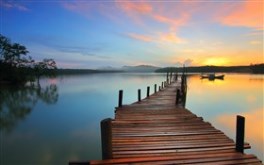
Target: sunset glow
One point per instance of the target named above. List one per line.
(92, 34)
(216, 61)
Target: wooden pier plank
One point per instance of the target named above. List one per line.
(156, 131)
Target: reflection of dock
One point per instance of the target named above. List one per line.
(156, 131)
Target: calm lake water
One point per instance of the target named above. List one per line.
(59, 120)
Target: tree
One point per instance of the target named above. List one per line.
(14, 54)
(47, 67)
(17, 67)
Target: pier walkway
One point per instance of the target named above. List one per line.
(156, 131)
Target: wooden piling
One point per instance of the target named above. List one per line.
(120, 98)
(167, 77)
(106, 138)
(148, 91)
(178, 95)
(170, 77)
(240, 133)
(155, 88)
(139, 95)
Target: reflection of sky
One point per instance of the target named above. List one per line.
(220, 101)
(70, 129)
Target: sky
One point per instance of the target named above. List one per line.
(102, 33)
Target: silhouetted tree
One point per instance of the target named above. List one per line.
(14, 54)
(17, 67)
(47, 67)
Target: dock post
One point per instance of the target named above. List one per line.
(155, 88)
(240, 133)
(106, 138)
(170, 77)
(167, 79)
(120, 98)
(148, 91)
(177, 97)
(139, 95)
(162, 85)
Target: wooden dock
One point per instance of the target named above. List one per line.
(156, 131)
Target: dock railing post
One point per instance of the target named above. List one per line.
(148, 91)
(139, 95)
(170, 77)
(177, 96)
(106, 138)
(162, 85)
(167, 79)
(120, 98)
(155, 88)
(240, 133)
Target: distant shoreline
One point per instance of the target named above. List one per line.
(258, 68)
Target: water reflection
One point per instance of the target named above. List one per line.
(220, 101)
(16, 103)
(253, 128)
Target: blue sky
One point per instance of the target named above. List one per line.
(94, 34)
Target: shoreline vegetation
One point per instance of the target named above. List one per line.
(17, 68)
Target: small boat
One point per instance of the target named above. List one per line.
(213, 76)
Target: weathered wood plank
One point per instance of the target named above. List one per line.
(155, 131)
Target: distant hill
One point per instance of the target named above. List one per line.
(259, 68)
(109, 69)
(83, 71)
(140, 68)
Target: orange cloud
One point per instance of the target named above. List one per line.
(173, 23)
(140, 37)
(170, 37)
(161, 38)
(139, 11)
(137, 7)
(249, 14)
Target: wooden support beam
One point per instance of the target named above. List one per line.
(139, 95)
(178, 95)
(170, 77)
(120, 98)
(240, 133)
(167, 77)
(106, 138)
(148, 91)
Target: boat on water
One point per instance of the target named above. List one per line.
(212, 76)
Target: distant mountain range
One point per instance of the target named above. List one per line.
(257, 68)
(140, 68)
